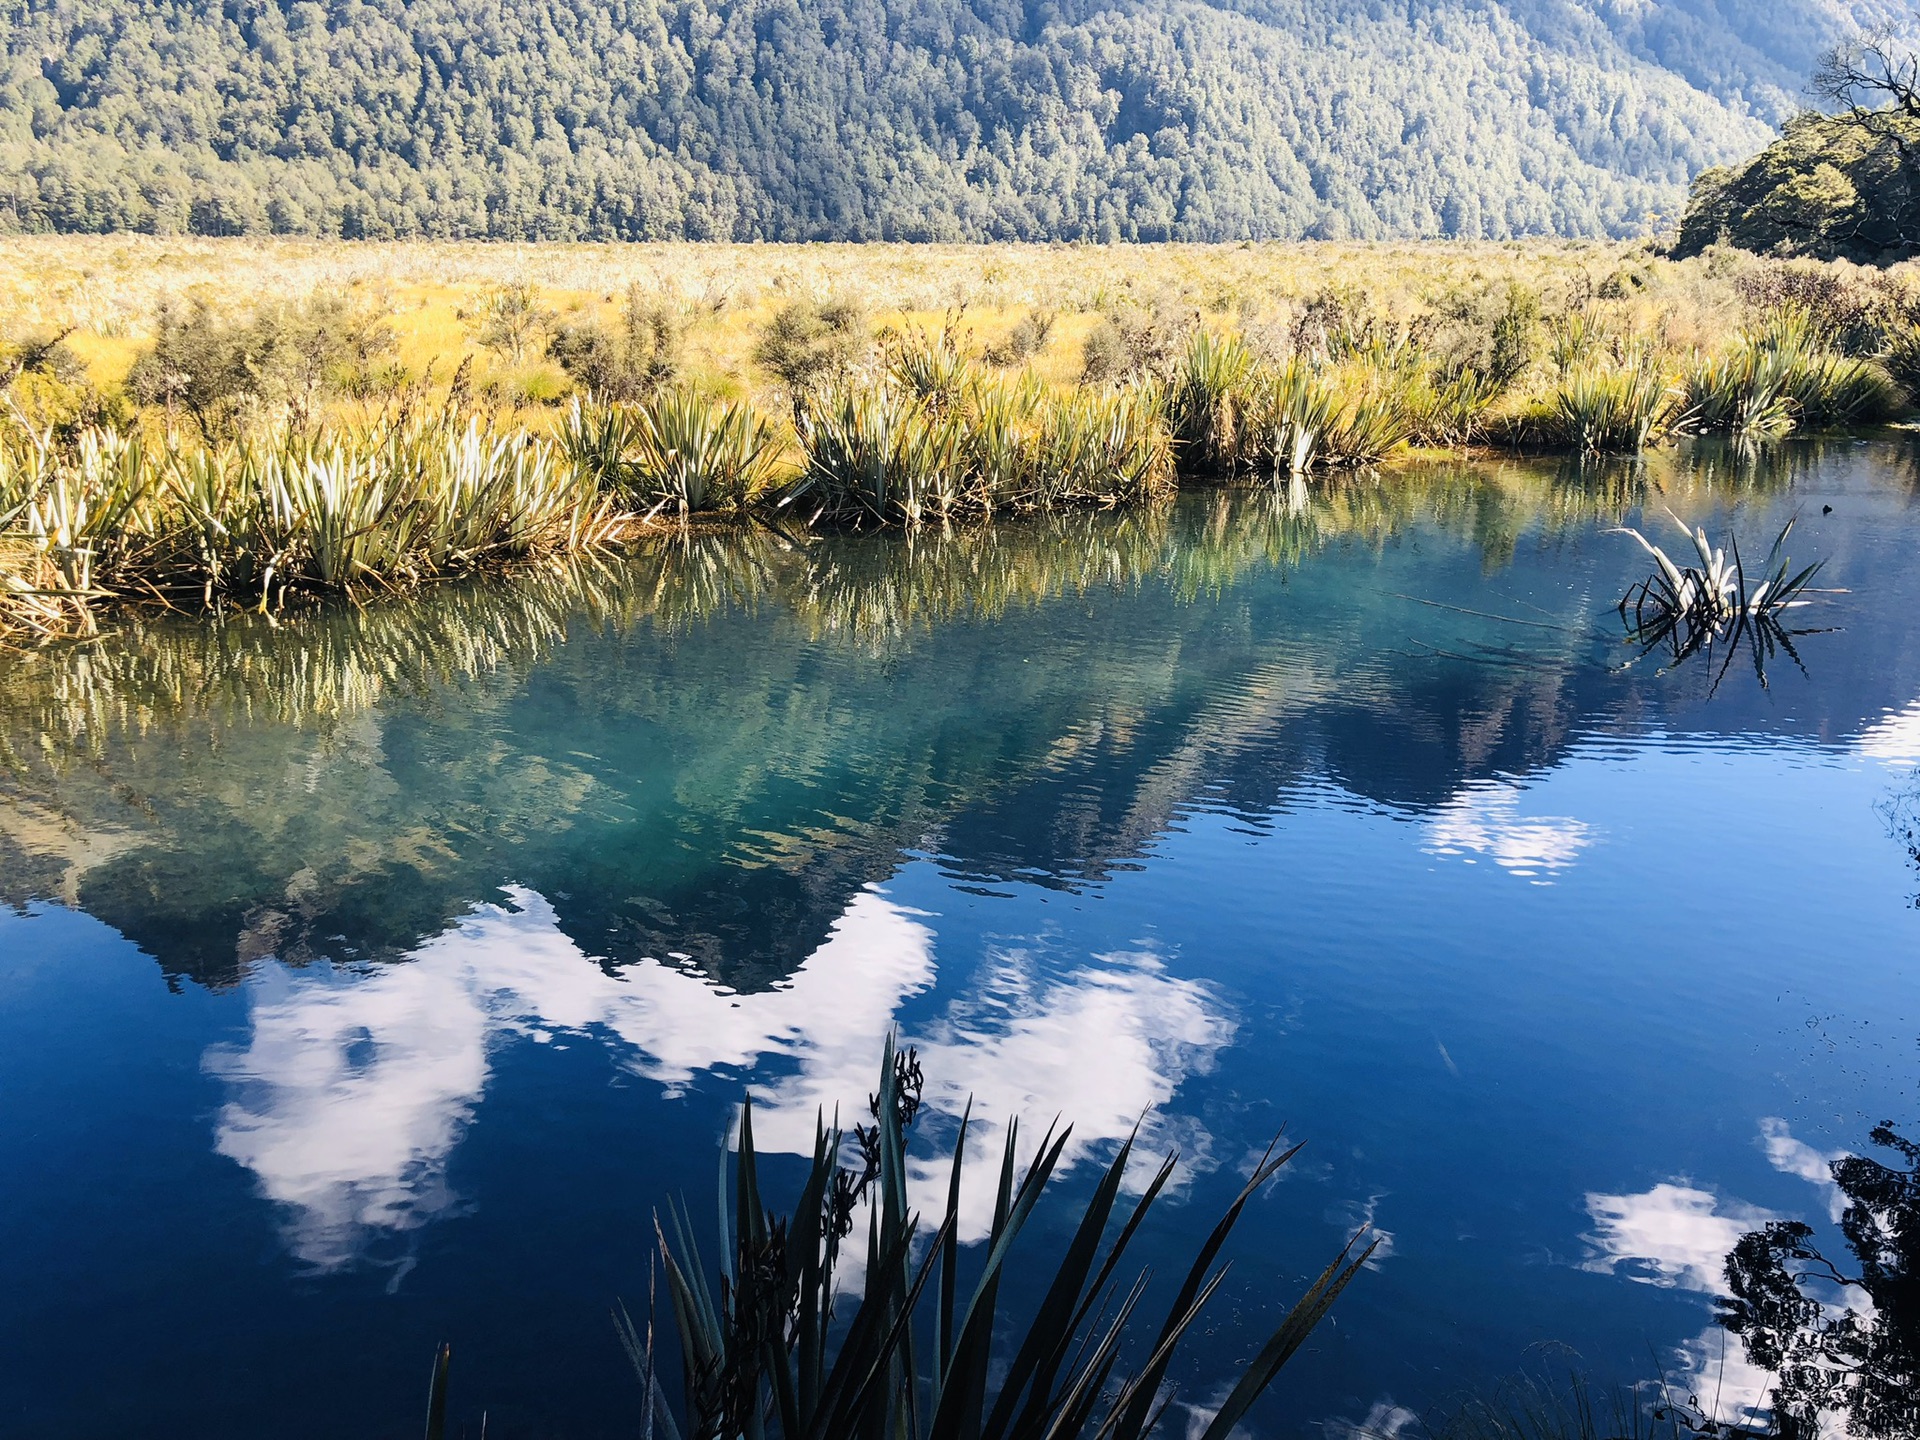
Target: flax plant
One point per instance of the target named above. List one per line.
(1609, 409)
(770, 1347)
(690, 454)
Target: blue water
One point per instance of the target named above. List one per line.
(369, 980)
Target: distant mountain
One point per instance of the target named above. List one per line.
(895, 119)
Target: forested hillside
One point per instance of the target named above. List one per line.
(896, 119)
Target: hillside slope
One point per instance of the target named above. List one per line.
(902, 119)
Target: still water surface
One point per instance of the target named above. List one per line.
(367, 981)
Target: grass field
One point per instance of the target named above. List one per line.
(109, 289)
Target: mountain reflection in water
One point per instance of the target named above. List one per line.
(1337, 807)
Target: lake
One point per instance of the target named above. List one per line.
(367, 980)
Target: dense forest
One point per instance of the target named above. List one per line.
(887, 119)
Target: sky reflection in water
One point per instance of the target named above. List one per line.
(374, 978)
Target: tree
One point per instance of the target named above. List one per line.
(1871, 77)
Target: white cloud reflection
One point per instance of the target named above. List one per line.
(1672, 1235)
(354, 1087)
(1678, 1236)
(1485, 819)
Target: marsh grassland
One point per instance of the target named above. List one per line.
(202, 423)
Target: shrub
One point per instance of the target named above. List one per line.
(1104, 354)
(929, 367)
(1131, 342)
(510, 320)
(1577, 338)
(1100, 447)
(640, 356)
(208, 365)
(807, 347)
(1290, 416)
(1785, 375)
(1026, 340)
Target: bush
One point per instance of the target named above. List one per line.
(1785, 375)
(47, 386)
(638, 358)
(1103, 354)
(1131, 342)
(877, 453)
(510, 320)
(1026, 340)
(807, 347)
(208, 365)
(1206, 402)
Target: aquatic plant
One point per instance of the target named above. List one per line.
(1741, 393)
(1001, 419)
(1292, 414)
(1785, 375)
(1533, 1407)
(768, 1350)
(1372, 425)
(1446, 410)
(1901, 359)
(339, 508)
(1101, 447)
(1685, 609)
(873, 452)
(1717, 590)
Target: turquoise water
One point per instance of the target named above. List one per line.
(366, 981)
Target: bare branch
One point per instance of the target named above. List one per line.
(1876, 72)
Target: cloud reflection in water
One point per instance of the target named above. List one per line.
(355, 1087)
(1485, 819)
(1679, 1237)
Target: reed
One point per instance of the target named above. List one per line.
(1101, 447)
(1371, 427)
